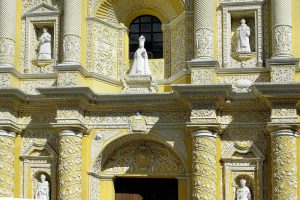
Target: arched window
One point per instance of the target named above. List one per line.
(150, 27)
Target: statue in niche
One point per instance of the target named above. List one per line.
(44, 47)
(42, 190)
(140, 64)
(243, 192)
(243, 34)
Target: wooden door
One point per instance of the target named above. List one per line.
(121, 196)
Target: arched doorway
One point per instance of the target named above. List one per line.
(129, 164)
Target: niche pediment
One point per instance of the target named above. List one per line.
(42, 9)
(243, 150)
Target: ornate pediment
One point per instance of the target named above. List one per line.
(42, 9)
(35, 150)
(243, 150)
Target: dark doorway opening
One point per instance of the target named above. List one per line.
(146, 189)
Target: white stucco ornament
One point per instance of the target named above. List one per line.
(44, 47)
(243, 34)
(141, 64)
(243, 192)
(243, 83)
(42, 191)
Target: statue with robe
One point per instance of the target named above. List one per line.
(243, 34)
(42, 190)
(243, 192)
(140, 63)
(44, 47)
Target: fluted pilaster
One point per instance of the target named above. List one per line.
(7, 32)
(72, 31)
(204, 165)
(70, 165)
(7, 146)
(203, 27)
(282, 28)
(284, 165)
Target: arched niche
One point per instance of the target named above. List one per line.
(38, 158)
(243, 160)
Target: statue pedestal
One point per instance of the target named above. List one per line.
(243, 56)
(139, 84)
(42, 63)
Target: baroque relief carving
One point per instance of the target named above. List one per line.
(142, 156)
(4, 81)
(203, 76)
(29, 87)
(71, 48)
(67, 79)
(282, 42)
(284, 178)
(6, 165)
(70, 168)
(178, 39)
(7, 51)
(282, 74)
(204, 43)
(204, 168)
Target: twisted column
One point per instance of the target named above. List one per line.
(284, 165)
(203, 27)
(70, 165)
(204, 165)
(7, 32)
(72, 31)
(7, 146)
(282, 28)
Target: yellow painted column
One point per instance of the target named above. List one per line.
(7, 163)
(284, 165)
(70, 165)
(204, 166)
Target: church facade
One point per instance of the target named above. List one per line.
(150, 99)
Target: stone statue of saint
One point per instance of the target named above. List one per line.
(243, 192)
(42, 190)
(140, 64)
(44, 47)
(243, 34)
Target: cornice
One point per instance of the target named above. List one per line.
(203, 91)
(277, 90)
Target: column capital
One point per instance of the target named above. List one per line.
(204, 133)
(283, 129)
(70, 133)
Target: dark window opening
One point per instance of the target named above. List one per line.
(150, 27)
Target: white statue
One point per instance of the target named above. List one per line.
(42, 190)
(44, 47)
(243, 192)
(243, 34)
(140, 64)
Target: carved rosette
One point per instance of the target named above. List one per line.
(284, 165)
(204, 166)
(6, 163)
(203, 43)
(7, 51)
(282, 40)
(70, 165)
(71, 48)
